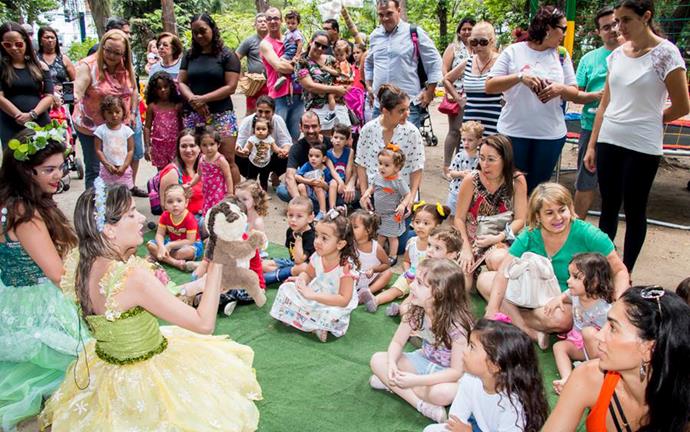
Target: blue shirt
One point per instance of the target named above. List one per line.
(391, 59)
(309, 172)
(591, 76)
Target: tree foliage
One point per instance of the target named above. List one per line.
(25, 10)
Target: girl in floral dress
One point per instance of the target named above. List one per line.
(163, 121)
(321, 299)
(214, 169)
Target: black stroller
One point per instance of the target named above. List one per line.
(426, 128)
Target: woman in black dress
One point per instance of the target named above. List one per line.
(25, 86)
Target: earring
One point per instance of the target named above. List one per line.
(643, 371)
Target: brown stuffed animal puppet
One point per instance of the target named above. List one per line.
(226, 223)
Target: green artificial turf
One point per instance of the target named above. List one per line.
(313, 386)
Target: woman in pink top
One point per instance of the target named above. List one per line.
(108, 72)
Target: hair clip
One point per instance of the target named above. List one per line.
(439, 209)
(393, 147)
(498, 316)
(418, 205)
(653, 292)
(99, 203)
(332, 214)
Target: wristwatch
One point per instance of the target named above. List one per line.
(520, 75)
(33, 115)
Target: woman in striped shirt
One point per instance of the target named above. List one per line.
(481, 106)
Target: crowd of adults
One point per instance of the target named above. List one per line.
(517, 93)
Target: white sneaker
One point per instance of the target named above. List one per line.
(376, 383)
(434, 412)
(229, 308)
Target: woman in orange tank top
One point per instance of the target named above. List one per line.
(641, 381)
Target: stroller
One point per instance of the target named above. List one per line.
(72, 162)
(426, 129)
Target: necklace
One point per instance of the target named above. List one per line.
(482, 69)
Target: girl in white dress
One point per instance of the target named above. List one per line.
(321, 299)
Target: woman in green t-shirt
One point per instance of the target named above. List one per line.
(554, 232)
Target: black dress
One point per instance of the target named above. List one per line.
(25, 93)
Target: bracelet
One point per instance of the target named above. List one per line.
(33, 115)
(508, 232)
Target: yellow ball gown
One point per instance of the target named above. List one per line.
(137, 376)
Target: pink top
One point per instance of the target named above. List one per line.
(213, 182)
(271, 74)
(87, 113)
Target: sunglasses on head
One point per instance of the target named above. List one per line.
(10, 45)
(482, 42)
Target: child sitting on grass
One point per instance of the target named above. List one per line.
(177, 241)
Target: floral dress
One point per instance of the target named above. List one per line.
(319, 76)
(164, 130)
(293, 309)
(148, 378)
(40, 330)
(213, 182)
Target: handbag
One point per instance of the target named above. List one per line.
(449, 107)
(494, 224)
(531, 281)
(251, 83)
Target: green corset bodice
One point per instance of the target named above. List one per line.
(133, 337)
(18, 269)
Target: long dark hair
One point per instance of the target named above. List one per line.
(597, 276)
(217, 46)
(7, 74)
(640, 7)
(666, 322)
(92, 242)
(151, 94)
(504, 148)
(46, 29)
(519, 376)
(450, 298)
(23, 197)
(343, 230)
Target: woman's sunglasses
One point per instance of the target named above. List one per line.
(320, 45)
(482, 42)
(10, 45)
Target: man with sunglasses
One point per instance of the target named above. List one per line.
(393, 58)
(591, 77)
(289, 103)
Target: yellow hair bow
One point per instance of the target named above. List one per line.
(393, 147)
(418, 205)
(439, 209)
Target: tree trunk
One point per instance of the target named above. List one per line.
(261, 5)
(168, 12)
(442, 15)
(100, 11)
(403, 10)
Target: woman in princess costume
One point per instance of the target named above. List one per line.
(39, 327)
(136, 375)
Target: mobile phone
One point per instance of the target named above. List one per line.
(68, 92)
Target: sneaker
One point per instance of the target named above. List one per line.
(139, 192)
(279, 83)
(376, 383)
(322, 335)
(393, 310)
(320, 215)
(229, 308)
(368, 300)
(434, 412)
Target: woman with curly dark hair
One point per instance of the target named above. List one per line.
(641, 381)
(39, 326)
(208, 77)
(502, 388)
(440, 314)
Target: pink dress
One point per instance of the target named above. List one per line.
(213, 183)
(164, 130)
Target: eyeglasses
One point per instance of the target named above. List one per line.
(114, 53)
(10, 45)
(164, 45)
(653, 293)
(609, 27)
(320, 45)
(272, 18)
(483, 42)
(563, 28)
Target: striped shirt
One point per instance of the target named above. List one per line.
(481, 106)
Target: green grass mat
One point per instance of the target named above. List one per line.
(311, 386)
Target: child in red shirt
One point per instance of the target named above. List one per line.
(177, 240)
